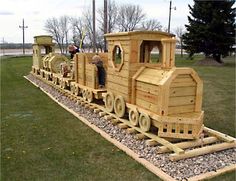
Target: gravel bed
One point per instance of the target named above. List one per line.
(180, 170)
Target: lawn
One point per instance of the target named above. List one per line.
(41, 141)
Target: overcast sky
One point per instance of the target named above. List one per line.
(36, 13)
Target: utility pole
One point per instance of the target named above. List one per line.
(170, 15)
(23, 31)
(94, 29)
(105, 24)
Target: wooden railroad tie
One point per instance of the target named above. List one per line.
(108, 117)
(96, 110)
(123, 125)
(131, 130)
(151, 142)
(102, 114)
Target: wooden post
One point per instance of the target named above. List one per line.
(105, 24)
(94, 29)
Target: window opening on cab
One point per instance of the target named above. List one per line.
(150, 52)
(117, 56)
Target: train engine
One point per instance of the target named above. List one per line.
(143, 82)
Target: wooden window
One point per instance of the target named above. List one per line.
(117, 55)
(150, 52)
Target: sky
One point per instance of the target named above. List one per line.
(35, 14)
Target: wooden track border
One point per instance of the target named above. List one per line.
(155, 170)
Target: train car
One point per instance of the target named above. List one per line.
(49, 64)
(86, 76)
(142, 80)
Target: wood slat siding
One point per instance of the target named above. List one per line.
(181, 101)
(146, 105)
(146, 96)
(182, 91)
(153, 89)
(181, 109)
(182, 95)
(120, 88)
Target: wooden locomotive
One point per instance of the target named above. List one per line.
(141, 82)
(149, 86)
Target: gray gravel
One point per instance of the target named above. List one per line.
(180, 170)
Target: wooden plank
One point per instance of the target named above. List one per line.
(182, 91)
(118, 87)
(178, 80)
(219, 135)
(202, 151)
(124, 81)
(140, 136)
(181, 109)
(122, 125)
(131, 130)
(146, 96)
(189, 144)
(212, 174)
(151, 142)
(199, 95)
(101, 114)
(143, 86)
(181, 101)
(146, 105)
(183, 84)
(108, 117)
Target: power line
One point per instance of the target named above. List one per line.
(23, 31)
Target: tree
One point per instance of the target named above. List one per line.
(64, 25)
(179, 31)
(151, 24)
(59, 29)
(211, 28)
(78, 31)
(88, 20)
(112, 13)
(129, 17)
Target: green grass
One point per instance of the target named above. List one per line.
(42, 141)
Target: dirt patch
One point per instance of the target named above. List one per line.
(209, 62)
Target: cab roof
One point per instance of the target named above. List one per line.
(155, 35)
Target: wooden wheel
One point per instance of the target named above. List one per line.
(89, 96)
(84, 94)
(133, 117)
(144, 122)
(119, 106)
(109, 102)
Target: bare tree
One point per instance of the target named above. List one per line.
(64, 25)
(112, 12)
(151, 24)
(129, 17)
(179, 31)
(88, 20)
(59, 29)
(78, 31)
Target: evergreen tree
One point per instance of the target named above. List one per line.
(211, 28)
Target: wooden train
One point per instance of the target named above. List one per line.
(142, 82)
